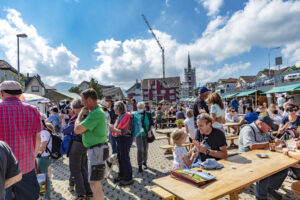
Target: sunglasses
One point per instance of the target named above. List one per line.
(232, 111)
(292, 110)
(200, 117)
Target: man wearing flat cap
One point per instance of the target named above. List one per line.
(20, 128)
(256, 136)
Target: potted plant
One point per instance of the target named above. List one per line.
(179, 123)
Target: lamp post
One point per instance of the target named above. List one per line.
(23, 35)
(269, 52)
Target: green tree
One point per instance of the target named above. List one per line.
(294, 67)
(75, 90)
(96, 86)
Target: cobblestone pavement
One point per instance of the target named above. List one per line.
(159, 165)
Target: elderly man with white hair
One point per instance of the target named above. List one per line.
(141, 139)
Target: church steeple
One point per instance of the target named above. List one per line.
(189, 62)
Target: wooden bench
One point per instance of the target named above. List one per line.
(162, 138)
(232, 137)
(162, 193)
(170, 147)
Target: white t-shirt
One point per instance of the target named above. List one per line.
(190, 124)
(280, 101)
(45, 137)
(107, 116)
(215, 109)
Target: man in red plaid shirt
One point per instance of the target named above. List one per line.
(20, 127)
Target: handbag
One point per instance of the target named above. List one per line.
(150, 139)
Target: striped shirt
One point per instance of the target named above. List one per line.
(19, 125)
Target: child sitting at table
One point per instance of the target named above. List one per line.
(182, 158)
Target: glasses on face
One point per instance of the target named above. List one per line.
(200, 117)
(292, 109)
(232, 111)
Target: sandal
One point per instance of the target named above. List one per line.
(81, 197)
(234, 145)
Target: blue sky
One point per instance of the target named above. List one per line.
(107, 39)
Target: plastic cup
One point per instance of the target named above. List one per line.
(272, 146)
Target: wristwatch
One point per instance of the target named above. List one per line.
(287, 153)
(207, 152)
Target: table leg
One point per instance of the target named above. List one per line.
(234, 196)
(169, 138)
(228, 129)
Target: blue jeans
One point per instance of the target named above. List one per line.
(125, 169)
(274, 182)
(113, 143)
(27, 188)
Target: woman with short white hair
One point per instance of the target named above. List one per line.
(141, 139)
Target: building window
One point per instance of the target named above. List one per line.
(35, 88)
(227, 85)
(145, 92)
(154, 87)
(171, 91)
(163, 91)
(172, 97)
(146, 99)
(154, 92)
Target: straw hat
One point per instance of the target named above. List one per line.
(50, 126)
(104, 104)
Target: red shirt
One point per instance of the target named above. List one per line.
(19, 125)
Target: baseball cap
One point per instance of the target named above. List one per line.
(266, 119)
(11, 87)
(203, 89)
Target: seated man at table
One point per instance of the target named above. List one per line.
(255, 136)
(210, 142)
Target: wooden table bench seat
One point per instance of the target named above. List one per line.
(162, 138)
(164, 194)
(230, 180)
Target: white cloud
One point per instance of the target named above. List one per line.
(213, 6)
(197, 10)
(36, 55)
(167, 3)
(224, 72)
(261, 23)
(293, 51)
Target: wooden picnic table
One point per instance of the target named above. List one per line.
(168, 132)
(239, 172)
(230, 124)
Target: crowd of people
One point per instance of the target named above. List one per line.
(91, 128)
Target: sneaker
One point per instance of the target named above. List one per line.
(71, 188)
(109, 164)
(89, 194)
(140, 169)
(125, 183)
(81, 197)
(145, 166)
(118, 179)
(260, 198)
(274, 194)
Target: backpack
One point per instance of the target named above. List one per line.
(56, 143)
(65, 145)
(135, 125)
(57, 129)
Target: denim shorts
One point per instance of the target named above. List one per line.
(97, 156)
